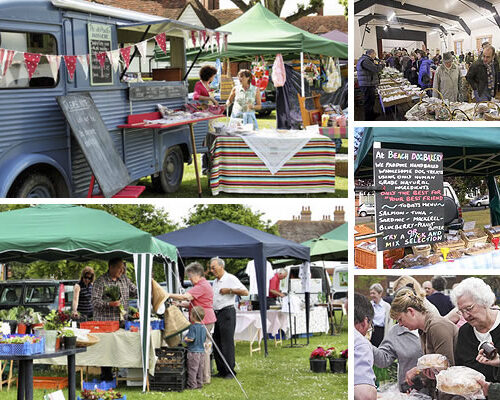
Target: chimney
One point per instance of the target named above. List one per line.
(305, 214)
(211, 4)
(321, 11)
(339, 215)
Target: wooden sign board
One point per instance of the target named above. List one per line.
(95, 141)
(157, 92)
(409, 197)
(99, 41)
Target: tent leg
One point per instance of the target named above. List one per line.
(302, 87)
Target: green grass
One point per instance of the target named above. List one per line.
(482, 217)
(284, 374)
(189, 187)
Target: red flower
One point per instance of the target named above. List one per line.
(319, 353)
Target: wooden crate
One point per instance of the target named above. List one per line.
(167, 74)
(50, 382)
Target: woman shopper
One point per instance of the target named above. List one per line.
(82, 294)
(447, 79)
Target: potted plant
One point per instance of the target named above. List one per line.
(54, 322)
(69, 339)
(338, 360)
(317, 360)
(99, 394)
(26, 321)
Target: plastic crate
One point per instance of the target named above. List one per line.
(100, 326)
(96, 384)
(50, 382)
(168, 381)
(170, 359)
(155, 325)
(22, 349)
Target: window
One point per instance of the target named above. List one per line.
(17, 75)
(10, 294)
(40, 294)
(480, 40)
(459, 47)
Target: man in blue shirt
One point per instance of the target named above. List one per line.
(364, 377)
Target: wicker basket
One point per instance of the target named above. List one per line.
(473, 251)
(455, 245)
(365, 259)
(92, 339)
(424, 250)
(492, 235)
(443, 104)
(487, 116)
(480, 237)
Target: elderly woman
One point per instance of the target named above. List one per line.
(202, 89)
(438, 335)
(381, 320)
(246, 99)
(201, 294)
(474, 300)
(447, 79)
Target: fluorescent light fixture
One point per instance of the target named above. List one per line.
(391, 17)
(386, 27)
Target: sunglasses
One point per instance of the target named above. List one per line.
(88, 277)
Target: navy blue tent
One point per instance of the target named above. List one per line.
(224, 239)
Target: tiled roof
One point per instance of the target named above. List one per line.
(327, 22)
(300, 231)
(227, 15)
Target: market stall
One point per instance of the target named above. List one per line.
(68, 232)
(224, 239)
(463, 152)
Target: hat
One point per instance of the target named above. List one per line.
(159, 296)
(175, 321)
(447, 57)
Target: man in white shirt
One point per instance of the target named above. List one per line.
(226, 286)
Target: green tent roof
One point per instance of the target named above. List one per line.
(469, 151)
(55, 232)
(260, 32)
(339, 233)
(327, 249)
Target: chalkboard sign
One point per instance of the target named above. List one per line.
(95, 141)
(409, 202)
(99, 41)
(156, 92)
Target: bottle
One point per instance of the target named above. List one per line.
(324, 120)
(489, 350)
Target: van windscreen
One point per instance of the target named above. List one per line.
(10, 294)
(16, 77)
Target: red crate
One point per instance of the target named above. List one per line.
(100, 326)
(49, 382)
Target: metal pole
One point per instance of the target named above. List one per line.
(302, 88)
(195, 159)
(195, 59)
(135, 52)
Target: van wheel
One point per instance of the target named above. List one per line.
(36, 186)
(362, 214)
(170, 177)
(478, 204)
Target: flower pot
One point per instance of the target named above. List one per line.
(13, 326)
(50, 341)
(317, 365)
(21, 328)
(338, 365)
(29, 329)
(69, 342)
(58, 343)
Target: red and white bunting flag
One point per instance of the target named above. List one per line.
(193, 38)
(217, 40)
(101, 57)
(125, 52)
(200, 39)
(7, 60)
(114, 56)
(54, 64)
(204, 36)
(211, 41)
(70, 62)
(142, 47)
(225, 41)
(2, 53)
(84, 62)
(161, 39)
(31, 61)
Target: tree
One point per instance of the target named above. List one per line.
(276, 6)
(235, 213)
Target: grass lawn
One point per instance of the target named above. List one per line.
(482, 217)
(284, 374)
(189, 187)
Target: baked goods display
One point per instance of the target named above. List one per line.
(460, 381)
(455, 254)
(479, 248)
(412, 260)
(473, 236)
(452, 242)
(437, 362)
(460, 111)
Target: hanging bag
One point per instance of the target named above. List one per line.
(279, 74)
(334, 79)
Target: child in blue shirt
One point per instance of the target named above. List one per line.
(195, 340)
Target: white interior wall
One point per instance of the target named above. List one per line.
(469, 42)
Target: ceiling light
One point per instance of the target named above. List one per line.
(386, 27)
(391, 17)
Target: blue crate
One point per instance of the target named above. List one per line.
(122, 398)
(278, 336)
(22, 349)
(155, 325)
(302, 335)
(97, 384)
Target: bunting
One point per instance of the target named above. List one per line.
(193, 38)
(161, 39)
(31, 60)
(225, 42)
(84, 62)
(142, 48)
(7, 60)
(217, 40)
(125, 52)
(54, 64)
(70, 62)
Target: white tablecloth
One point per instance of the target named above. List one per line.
(318, 321)
(481, 261)
(249, 326)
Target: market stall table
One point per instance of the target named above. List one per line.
(25, 379)
(115, 349)
(236, 168)
(334, 132)
(138, 121)
(249, 326)
(489, 260)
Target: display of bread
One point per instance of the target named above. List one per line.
(479, 248)
(435, 361)
(460, 380)
(454, 254)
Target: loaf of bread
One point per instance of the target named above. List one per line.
(460, 381)
(435, 361)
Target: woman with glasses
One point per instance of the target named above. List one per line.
(82, 294)
(438, 335)
(474, 300)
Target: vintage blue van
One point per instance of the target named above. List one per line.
(38, 155)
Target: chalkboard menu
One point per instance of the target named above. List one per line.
(156, 92)
(99, 41)
(409, 203)
(95, 141)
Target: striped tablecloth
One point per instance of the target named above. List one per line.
(334, 132)
(237, 169)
